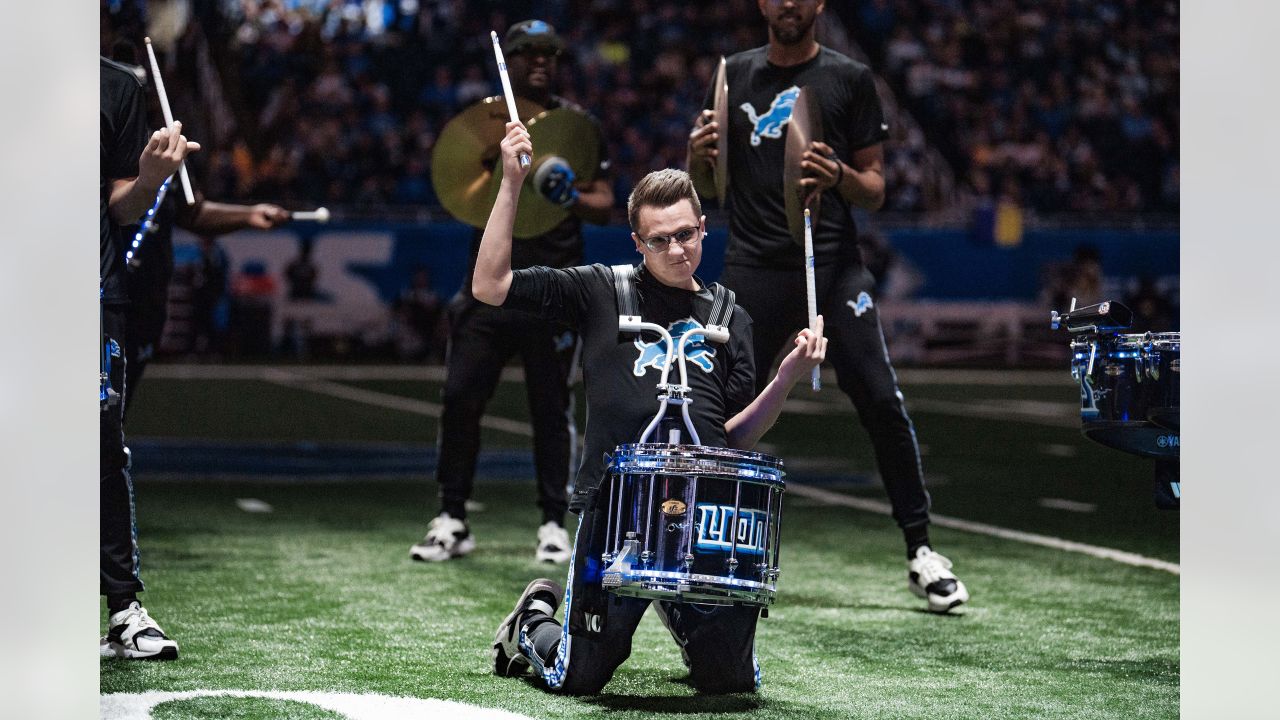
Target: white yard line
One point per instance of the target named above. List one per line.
(384, 400)
(356, 706)
(883, 508)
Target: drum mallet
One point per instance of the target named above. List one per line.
(320, 215)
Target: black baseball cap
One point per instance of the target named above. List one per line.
(531, 34)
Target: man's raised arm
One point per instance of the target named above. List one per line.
(492, 277)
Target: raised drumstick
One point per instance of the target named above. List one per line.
(168, 119)
(506, 89)
(320, 215)
(811, 289)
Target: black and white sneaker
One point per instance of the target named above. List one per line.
(133, 635)
(446, 538)
(929, 576)
(553, 543)
(507, 660)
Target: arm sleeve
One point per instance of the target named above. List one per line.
(740, 389)
(131, 135)
(554, 294)
(869, 126)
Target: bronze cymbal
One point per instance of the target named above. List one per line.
(566, 134)
(805, 127)
(466, 155)
(720, 109)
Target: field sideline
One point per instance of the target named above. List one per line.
(303, 583)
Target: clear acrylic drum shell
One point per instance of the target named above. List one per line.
(681, 500)
(1162, 355)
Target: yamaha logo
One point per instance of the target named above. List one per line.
(673, 507)
(1167, 441)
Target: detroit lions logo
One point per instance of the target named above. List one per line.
(654, 354)
(770, 124)
(863, 304)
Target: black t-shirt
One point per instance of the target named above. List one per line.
(761, 97)
(621, 372)
(152, 267)
(123, 134)
(561, 246)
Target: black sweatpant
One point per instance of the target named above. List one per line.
(482, 339)
(776, 301)
(117, 544)
(580, 657)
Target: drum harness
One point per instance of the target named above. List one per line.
(629, 321)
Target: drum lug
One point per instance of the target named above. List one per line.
(731, 565)
(688, 561)
(646, 557)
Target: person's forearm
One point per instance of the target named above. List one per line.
(130, 199)
(864, 189)
(595, 202)
(492, 277)
(745, 429)
(700, 172)
(215, 218)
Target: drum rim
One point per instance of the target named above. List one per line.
(769, 470)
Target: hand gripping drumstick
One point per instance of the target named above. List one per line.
(810, 289)
(168, 118)
(506, 89)
(320, 215)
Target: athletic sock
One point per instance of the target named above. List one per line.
(916, 536)
(116, 603)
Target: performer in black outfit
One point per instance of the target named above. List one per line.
(132, 170)
(482, 339)
(668, 227)
(765, 266)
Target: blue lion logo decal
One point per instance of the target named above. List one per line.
(770, 124)
(654, 354)
(862, 305)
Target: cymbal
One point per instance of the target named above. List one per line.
(720, 109)
(560, 133)
(466, 154)
(805, 126)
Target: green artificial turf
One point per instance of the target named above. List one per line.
(321, 595)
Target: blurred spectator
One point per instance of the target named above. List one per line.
(301, 274)
(1152, 309)
(417, 329)
(1079, 280)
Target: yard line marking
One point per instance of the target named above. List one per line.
(884, 508)
(356, 706)
(1059, 450)
(1068, 505)
(384, 400)
(909, 376)
(253, 505)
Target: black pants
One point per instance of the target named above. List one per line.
(717, 641)
(775, 299)
(118, 542)
(143, 331)
(482, 339)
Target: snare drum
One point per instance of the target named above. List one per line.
(689, 523)
(1124, 383)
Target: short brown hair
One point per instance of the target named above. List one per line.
(660, 189)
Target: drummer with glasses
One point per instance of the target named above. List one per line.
(620, 373)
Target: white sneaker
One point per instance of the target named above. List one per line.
(929, 576)
(553, 543)
(446, 538)
(133, 635)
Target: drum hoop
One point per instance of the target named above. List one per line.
(742, 465)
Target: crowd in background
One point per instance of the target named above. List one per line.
(1065, 105)
(1062, 105)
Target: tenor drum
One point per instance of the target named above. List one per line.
(690, 523)
(1126, 382)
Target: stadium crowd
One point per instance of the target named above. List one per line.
(1069, 105)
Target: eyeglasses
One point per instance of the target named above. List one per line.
(687, 236)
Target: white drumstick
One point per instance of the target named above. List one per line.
(506, 89)
(811, 289)
(168, 119)
(320, 215)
